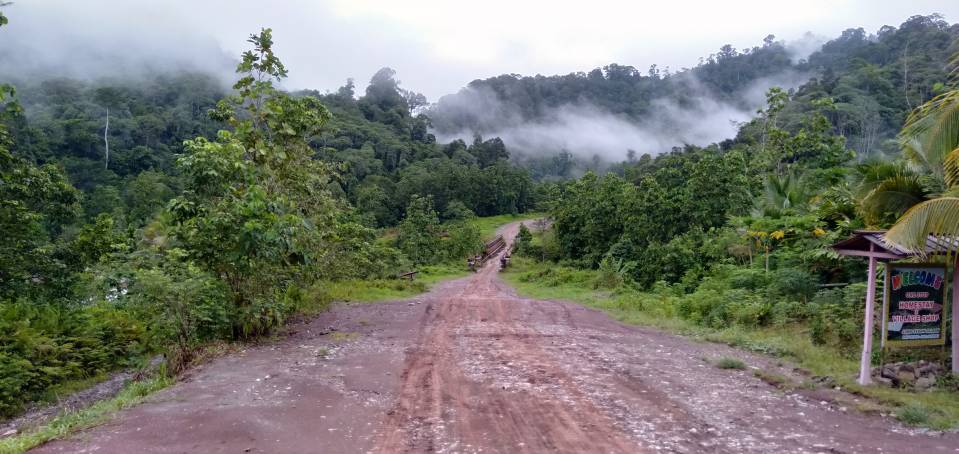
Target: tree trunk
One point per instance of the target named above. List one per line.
(106, 142)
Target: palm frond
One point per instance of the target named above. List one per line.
(951, 169)
(873, 173)
(933, 217)
(912, 150)
(932, 130)
(952, 192)
(892, 197)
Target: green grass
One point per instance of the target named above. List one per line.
(322, 294)
(488, 225)
(792, 342)
(67, 423)
(730, 363)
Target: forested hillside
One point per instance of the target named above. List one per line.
(154, 215)
(874, 79)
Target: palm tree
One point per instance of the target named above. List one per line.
(931, 135)
(783, 195)
(886, 190)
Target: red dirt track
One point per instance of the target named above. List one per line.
(471, 367)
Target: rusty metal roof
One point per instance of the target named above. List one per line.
(863, 239)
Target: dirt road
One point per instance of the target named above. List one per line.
(471, 367)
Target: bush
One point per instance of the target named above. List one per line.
(913, 415)
(462, 241)
(612, 273)
(788, 312)
(748, 278)
(792, 283)
(730, 363)
(836, 317)
(524, 239)
(42, 345)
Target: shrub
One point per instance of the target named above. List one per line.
(730, 363)
(788, 312)
(836, 317)
(612, 273)
(524, 239)
(748, 278)
(463, 240)
(914, 415)
(792, 283)
(42, 345)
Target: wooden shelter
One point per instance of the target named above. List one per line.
(873, 245)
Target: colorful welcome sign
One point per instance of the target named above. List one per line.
(914, 314)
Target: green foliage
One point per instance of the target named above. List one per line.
(931, 136)
(132, 394)
(913, 415)
(462, 240)
(418, 233)
(730, 363)
(43, 344)
(523, 240)
(256, 212)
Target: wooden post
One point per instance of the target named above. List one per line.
(955, 316)
(864, 364)
(884, 318)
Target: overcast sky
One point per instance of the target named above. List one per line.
(435, 46)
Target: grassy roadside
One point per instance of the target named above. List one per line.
(131, 395)
(318, 299)
(488, 225)
(937, 409)
(323, 294)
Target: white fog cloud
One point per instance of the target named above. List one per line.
(436, 46)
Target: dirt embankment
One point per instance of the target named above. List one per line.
(471, 367)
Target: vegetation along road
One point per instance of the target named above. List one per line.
(472, 367)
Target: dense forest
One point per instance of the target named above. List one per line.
(874, 80)
(738, 233)
(155, 214)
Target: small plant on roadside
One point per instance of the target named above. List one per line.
(730, 363)
(774, 379)
(913, 415)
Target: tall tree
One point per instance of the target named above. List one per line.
(931, 135)
(256, 210)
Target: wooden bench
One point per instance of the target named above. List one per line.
(408, 275)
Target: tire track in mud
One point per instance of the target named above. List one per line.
(509, 374)
(473, 339)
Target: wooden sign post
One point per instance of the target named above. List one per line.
(916, 314)
(865, 370)
(916, 305)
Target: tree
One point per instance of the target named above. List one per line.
(931, 135)
(414, 101)
(418, 231)
(256, 211)
(523, 239)
(36, 203)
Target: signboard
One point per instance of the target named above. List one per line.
(914, 313)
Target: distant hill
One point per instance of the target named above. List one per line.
(874, 79)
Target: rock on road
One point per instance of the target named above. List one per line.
(471, 367)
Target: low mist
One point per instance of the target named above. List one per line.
(586, 130)
(76, 40)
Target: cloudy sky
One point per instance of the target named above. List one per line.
(436, 46)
